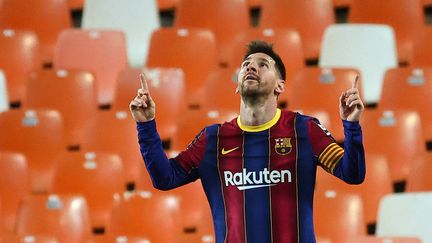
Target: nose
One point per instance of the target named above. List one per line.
(251, 66)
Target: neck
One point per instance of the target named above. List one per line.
(258, 112)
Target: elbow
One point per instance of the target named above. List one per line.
(357, 180)
(162, 186)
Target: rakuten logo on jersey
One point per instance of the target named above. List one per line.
(248, 180)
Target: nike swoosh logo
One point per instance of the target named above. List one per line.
(242, 188)
(228, 151)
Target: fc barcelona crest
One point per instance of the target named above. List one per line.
(283, 146)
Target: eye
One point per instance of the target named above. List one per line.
(245, 63)
(263, 64)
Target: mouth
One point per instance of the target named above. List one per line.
(251, 77)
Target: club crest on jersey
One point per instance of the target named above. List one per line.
(283, 146)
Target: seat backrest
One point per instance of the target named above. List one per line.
(345, 211)
(4, 100)
(80, 103)
(422, 51)
(47, 18)
(101, 52)
(39, 135)
(105, 131)
(376, 185)
(286, 42)
(173, 47)
(166, 88)
(220, 89)
(377, 239)
(397, 134)
(95, 175)
(404, 16)
(369, 48)
(20, 55)
(137, 19)
(406, 214)
(224, 17)
(14, 186)
(309, 18)
(167, 4)
(320, 88)
(418, 178)
(62, 216)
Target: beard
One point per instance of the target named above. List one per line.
(253, 95)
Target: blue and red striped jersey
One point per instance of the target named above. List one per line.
(259, 180)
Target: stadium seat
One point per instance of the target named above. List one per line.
(254, 3)
(310, 18)
(405, 16)
(20, 55)
(118, 239)
(338, 216)
(13, 238)
(62, 216)
(409, 89)
(76, 4)
(14, 185)
(47, 18)
(406, 215)
(101, 52)
(166, 88)
(95, 175)
(377, 184)
(427, 3)
(422, 51)
(287, 43)
(166, 5)
(397, 135)
(376, 239)
(369, 48)
(220, 89)
(418, 177)
(322, 116)
(71, 92)
(187, 131)
(341, 3)
(131, 216)
(4, 100)
(115, 131)
(39, 135)
(320, 88)
(137, 20)
(173, 47)
(225, 18)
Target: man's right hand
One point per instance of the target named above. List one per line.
(143, 106)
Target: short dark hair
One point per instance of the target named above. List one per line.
(258, 46)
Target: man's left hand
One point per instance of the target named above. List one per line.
(350, 105)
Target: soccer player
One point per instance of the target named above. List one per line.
(258, 170)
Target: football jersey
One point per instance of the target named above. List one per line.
(259, 180)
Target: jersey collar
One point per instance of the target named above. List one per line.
(261, 127)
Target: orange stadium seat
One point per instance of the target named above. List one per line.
(47, 18)
(173, 47)
(14, 186)
(225, 18)
(397, 135)
(220, 89)
(76, 4)
(187, 131)
(320, 88)
(115, 131)
(62, 216)
(377, 184)
(422, 50)
(71, 92)
(20, 55)
(338, 216)
(287, 43)
(96, 176)
(309, 18)
(427, 3)
(405, 16)
(13, 238)
(377, 239)
(409, 89)
(101, 52)
(166, 88)
(341, 3)
(39, 135)
(164, 5)
(130, 216)
(254, 3)
(322, 116)
(418, 177)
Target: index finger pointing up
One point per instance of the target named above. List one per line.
(143, 80)
(355, 83)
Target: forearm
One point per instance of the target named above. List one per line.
(165, 173)
(352, 167)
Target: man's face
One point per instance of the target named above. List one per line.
(258, 76)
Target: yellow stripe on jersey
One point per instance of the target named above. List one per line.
(330, 156)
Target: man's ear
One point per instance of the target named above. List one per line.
(237, 90)
(280, 87)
